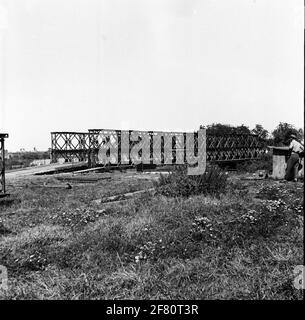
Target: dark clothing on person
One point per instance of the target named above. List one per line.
(292, 167)
(293, 164)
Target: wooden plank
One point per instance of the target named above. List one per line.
(89, 170)
(65, 186)
(122, 197)
(62, 168)
(81, 179)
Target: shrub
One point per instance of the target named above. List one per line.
(178, 183)
(264, 163)
(254, 224)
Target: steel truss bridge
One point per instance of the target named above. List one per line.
(84, 146)
(3, 136)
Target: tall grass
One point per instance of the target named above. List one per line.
(157, 247)
(264, 163)
(178, 183)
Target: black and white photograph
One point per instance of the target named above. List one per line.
(151, 150)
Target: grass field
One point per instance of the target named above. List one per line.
(58, 243)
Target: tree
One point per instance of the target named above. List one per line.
(242, 130)
(283, 131)
(218, 129)
(260, 131)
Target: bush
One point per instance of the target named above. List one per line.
(283, 131)
(178, 183)
(264, 163)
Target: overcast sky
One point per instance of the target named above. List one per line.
(147, 65)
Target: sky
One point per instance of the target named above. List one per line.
(169, 65)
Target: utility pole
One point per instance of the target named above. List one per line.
(3, 35)
(2, 165)
(3, 136)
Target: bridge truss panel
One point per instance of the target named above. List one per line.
(86, 146)
(71, 146)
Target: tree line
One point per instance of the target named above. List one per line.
(278, 137)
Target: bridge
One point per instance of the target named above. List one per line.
(84, 146)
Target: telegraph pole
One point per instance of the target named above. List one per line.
(3, 35)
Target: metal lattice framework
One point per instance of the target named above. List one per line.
(113, 138)
(70, 146)
(85, 146)
(3, 136)
(235, 147)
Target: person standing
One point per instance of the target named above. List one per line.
(296, 151)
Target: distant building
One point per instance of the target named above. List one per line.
(40, 162)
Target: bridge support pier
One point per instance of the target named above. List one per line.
(280, 157)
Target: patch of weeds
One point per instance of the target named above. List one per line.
(3, 229)
(175, 243)
(237, 189)
(116, 239)
(203, 230)
(264, 163)
(269, 193)
(260, 223)
(9, 201)
(287, 291)
(95, 245)
(151, 251)
(29, 257)
(78, 217)
(178, 183)
(31, 250)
